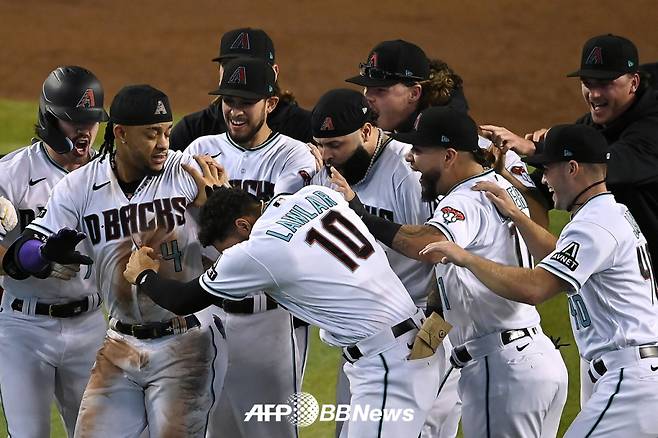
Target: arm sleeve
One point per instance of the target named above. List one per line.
(459, 218)
(583, 249)
(237, 274)
(297, 171)
(175, 296)
(634, 157)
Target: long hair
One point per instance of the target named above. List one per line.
(440, 86)
(107, 148)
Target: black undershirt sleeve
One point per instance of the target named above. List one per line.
(175, 296)
(383, 229)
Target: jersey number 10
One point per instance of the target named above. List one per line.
(362, 250)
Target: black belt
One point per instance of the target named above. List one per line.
(599, 366)
(245, 305)
(66, 310)
(506, 337)
(153, 330)
(398, 330)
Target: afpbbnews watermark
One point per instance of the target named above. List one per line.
(302, 409)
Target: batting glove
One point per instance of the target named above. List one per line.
(8, 217)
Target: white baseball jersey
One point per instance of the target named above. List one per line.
(603, 255)
(469, 219)
(391, 190)
(513, 163)
(90, 199)
(27, 177)
(279, 165)
(316, 258)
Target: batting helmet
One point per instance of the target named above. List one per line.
(72, 94)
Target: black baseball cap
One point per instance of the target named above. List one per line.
(392, 62)
(246, 41)
(339, 112)
(249, 78)
(578, 142)
(444, 127)
(136, 105)
(607, 57)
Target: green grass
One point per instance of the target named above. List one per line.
(16, 129)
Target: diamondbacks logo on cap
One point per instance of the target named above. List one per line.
(327, 125)
(87, 100)
(595, 56)
(160, 108)
(372, 61)
(239, 76)
(241, 42)
(417, 121)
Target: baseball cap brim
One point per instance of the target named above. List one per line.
(80, 115)
(538, 160)
(414, 138)
(366, 81)
(231, 56)
(595, 74)
(239, 93)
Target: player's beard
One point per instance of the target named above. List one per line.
(428, 183)
(355, 167)
(248, 135)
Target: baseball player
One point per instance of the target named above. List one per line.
(601, 260)
(513, 381)
(50, 326)
(263, 163)
(154, 369)
(373, 164)
(286, 118)
(349, 291)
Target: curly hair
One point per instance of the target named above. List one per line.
(223, 207)
(439, 88)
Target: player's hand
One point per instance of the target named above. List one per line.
(445, 252)
(317, 155)
(499, 196)
(64, 272)
(213, 176)
(538, 135)
(340, 184)
(498, 156)
(140, 261)
(8, 217)
(503, 137)
(60, 248)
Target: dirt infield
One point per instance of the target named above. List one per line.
(513, 55)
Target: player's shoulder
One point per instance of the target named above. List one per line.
(287, 142)
(25, 153)
(602, 212)
(208, 144)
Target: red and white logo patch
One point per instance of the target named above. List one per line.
(305, 176)
(451, 215)
(372, 61)
(327, 125)
(87, 100)
(518, 170)
(239, 76)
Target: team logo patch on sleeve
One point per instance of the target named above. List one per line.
(305, 176)
(451, 215)
(567, 256)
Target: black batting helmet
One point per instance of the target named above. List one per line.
(72, 94)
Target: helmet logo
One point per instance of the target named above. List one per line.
(327, 125)
(241, 42)
(160, 108)
(87, 100)
(239, 76)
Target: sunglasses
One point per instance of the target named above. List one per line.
(371, 72)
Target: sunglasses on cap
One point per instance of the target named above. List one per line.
(371, 72)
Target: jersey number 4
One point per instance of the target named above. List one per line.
(359, 245)
(173, 254)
